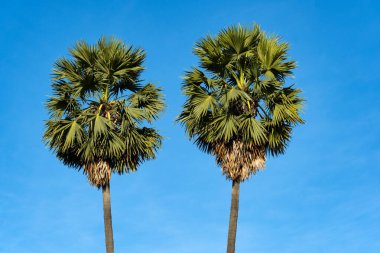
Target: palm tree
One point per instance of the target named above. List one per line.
(239, 107)
(100, 114)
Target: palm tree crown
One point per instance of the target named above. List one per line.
(239, 107)
(99, 110)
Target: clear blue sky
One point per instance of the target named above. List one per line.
(323, 195)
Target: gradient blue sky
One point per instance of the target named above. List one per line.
(322, 196)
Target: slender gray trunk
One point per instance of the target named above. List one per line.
(233, 217)
(107, 218)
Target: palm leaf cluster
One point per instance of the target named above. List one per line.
(239, 106)
(100, 112)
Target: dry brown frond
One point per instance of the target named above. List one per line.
(98, 173)
(239, 160)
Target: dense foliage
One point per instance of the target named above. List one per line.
(100, 112)
(239, 106)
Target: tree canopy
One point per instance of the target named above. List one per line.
(239, 106)
(100, 112)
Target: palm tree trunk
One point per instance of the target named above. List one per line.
(107, 218)
(233, 217)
